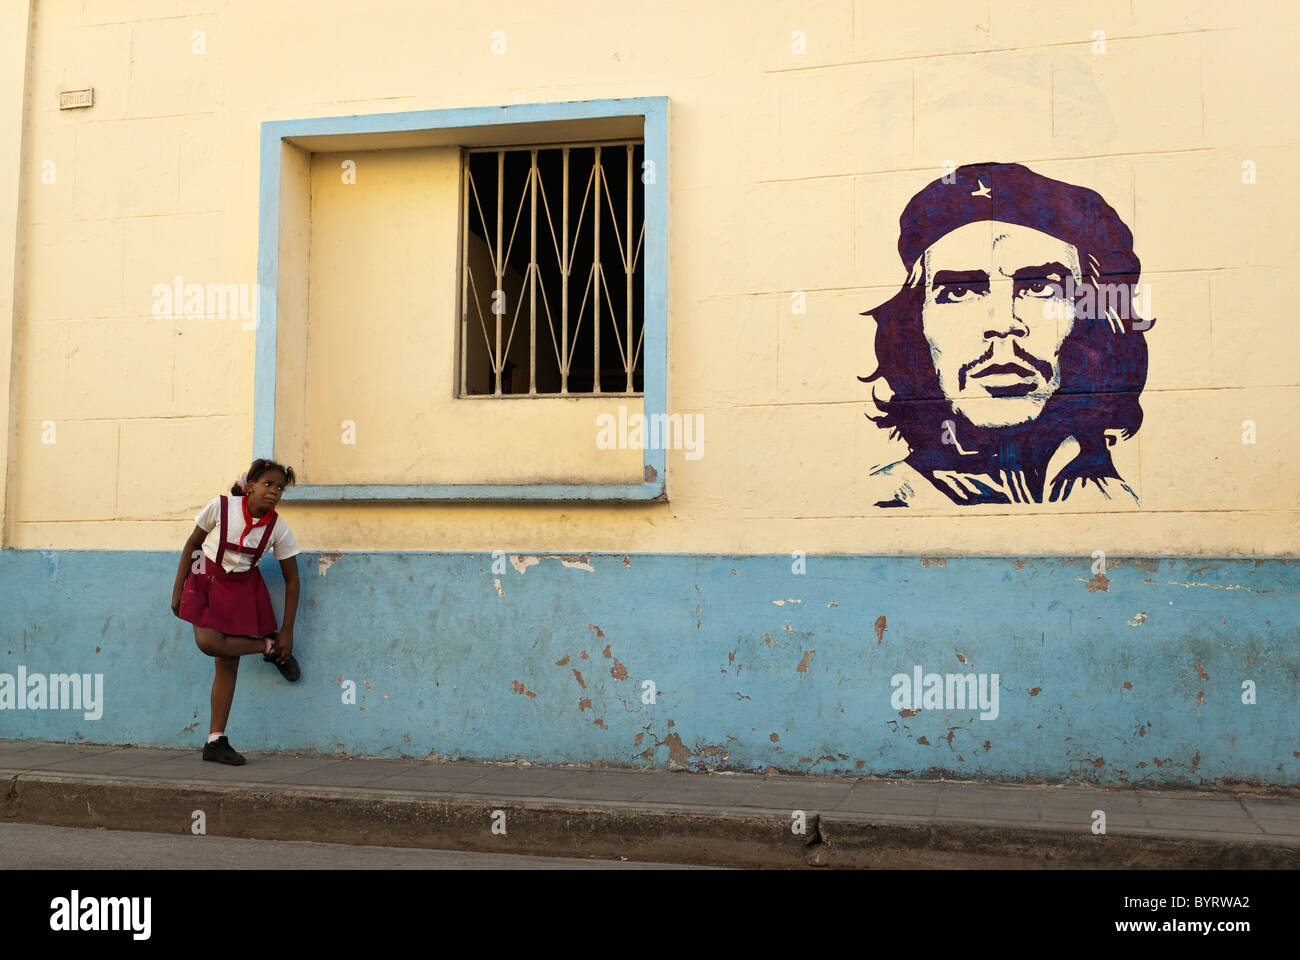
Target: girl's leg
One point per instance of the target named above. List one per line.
(223, 692)
(217, 644)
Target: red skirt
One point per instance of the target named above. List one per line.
(237, 604)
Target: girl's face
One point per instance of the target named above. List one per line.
(265, 492)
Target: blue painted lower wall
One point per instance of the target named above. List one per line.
(1137, 676)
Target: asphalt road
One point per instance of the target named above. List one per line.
(26, 846)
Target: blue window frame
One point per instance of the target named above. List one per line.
(474, 120)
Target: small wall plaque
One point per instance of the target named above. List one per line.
(75, 99)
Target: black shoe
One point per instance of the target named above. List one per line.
(289, 669)
(220, 751)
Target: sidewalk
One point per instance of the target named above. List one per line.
(725, 819)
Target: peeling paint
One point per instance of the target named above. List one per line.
(574, 561)
(774, 738)
(599, 722)
(677, 751)
(326, 561)
(909, 713)
(1099, 582)
(1138, 620)
(605, 653)
(519, 688)
(923, 741)
(496, 582)
(1018, 564)
(618, 671)
(1221, 586)
(934, 561)
(1036, 691)
(927, 612)
(600, 634)
(1150, 566)
(521, 563)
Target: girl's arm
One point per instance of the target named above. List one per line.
(187, 559)
(284, 639)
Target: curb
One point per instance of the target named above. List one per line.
(605, 830)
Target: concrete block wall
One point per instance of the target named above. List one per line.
(798, 132)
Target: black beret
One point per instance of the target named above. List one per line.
(1014, 194)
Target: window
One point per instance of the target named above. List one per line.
(371, 350)
(552, 270)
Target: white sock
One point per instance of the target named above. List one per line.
(216, 736)
(268, 645)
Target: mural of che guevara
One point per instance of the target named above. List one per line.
(1013, 356)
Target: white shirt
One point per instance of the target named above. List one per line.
(282, 545)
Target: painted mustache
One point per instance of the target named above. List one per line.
(1034, 365)
(995, 368)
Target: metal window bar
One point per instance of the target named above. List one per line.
(565, 340)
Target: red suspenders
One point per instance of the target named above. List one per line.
(255, 551)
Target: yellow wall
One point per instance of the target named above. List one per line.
(788, 173)
(377, 396)
(14, 22)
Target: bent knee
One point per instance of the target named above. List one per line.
(211, 645)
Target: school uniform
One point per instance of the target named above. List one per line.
(228, 593)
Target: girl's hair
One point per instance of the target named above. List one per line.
(258, 468)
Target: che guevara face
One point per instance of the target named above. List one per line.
(989, 316)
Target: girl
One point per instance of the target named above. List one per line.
(224, 595)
